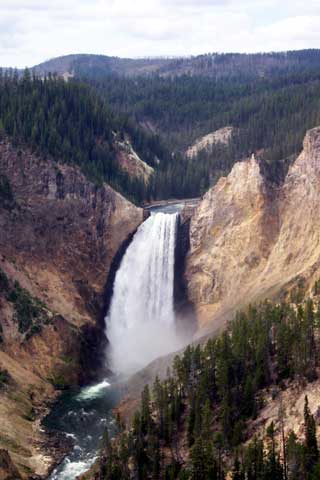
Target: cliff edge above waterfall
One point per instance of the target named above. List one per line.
(252, 240)
(58, 235)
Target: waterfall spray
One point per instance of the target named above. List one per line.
(141, 322)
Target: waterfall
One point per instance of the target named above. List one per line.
(141, 321)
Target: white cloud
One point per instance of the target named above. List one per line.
(294, 28)
(32, 30)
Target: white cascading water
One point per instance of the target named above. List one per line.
(141, 321)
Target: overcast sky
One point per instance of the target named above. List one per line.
(32, 31)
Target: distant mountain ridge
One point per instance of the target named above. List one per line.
(218, 65)
(84, 64)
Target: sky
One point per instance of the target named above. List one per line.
(32, 31)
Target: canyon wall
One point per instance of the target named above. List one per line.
(58, 235)
(250, 240)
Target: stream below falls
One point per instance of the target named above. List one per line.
(84, 415)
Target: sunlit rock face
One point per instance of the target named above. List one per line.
(251, 240)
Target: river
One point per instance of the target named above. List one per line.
(83, 415)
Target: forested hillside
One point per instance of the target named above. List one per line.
(269, 113)
(72, 124)
(99, 65)
(216, 65)
(244, 65)
(194, 424)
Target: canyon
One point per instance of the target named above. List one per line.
(247, 240)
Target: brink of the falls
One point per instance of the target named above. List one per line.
(141, 321)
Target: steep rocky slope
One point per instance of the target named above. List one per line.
(58, 236)
(251, 240)
(131, 163)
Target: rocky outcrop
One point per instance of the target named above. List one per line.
(58, 236)
(222, 136)
(251, 240)
(7, 469)
(131, 163)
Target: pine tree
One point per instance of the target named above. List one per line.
(295, 457)
(207, 418)
(198, 460)
(310, 443)
(273, 467)
(145, 410)
(249, 397)
(281, 415)
(237, 473)
(191, 421)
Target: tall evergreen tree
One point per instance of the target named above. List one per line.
(311, 444)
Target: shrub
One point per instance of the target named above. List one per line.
(4, 282)
(6, 195)
(58, 381)
(30, 311)
(4, 378)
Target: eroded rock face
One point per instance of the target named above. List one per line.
(222, 136)
(131, 163)
(58, 235)
(251, 240)
(7, 469)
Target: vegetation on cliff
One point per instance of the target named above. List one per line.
(193, 425)
(71, 124)
(6, 195)
(29, 312)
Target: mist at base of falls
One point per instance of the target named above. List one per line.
(141, 322)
